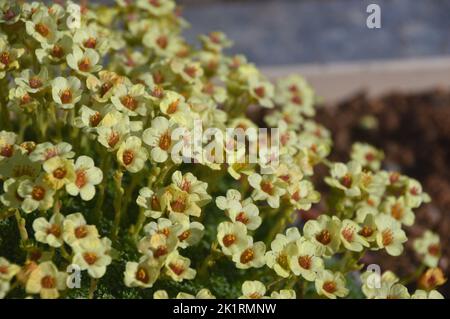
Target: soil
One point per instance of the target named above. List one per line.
(414, 132)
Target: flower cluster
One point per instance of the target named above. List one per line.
(97, 107)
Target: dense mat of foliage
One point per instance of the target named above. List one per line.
(98, 202)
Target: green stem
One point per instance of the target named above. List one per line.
(21, 226)
(118, 176)
(92, 288)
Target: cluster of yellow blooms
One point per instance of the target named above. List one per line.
(114, 84)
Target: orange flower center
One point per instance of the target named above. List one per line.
(84, 64)
(387, 237)
(57, 51)
(128, 157)
(324, 237)
(113, 139)
(184, 235)
(48, 282)
(42, 29)
(347, 180)
(6, 150)
(35, 82)
(160, 251)
(247, 256)
(60, 173)
(397, 211)
(229, 240)
(38, 193)
(5, 58)
(81, 178)
(54, 230)
(90, 258)
(177, 269)
(81, 231)
(366, 231)
(142, 275)
(305, 262)
(162, 41)
(242, 217)
(129, 102)
(66, 96)
(90, 43)
(165, 141)
(173, 107)
(329, 286)
(267, 187)
(260, 92)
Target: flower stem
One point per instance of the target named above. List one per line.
(118, 176)
(21, 226)
(92, 288)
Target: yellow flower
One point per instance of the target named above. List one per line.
(132, 155)
(49, 232)
(390, 235)
(60, 172)
(331, 285)
(324, 233)
(86, 177)
(76, 230)
(281, 252)
(428, 246)
(142, 274)
(303, 260)
(232, 237)
(46, 280)
(92, 255)
(177, 267)
(252, 256)
(253, 290)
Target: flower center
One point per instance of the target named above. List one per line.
(370, 157)
(3, 270)
(129, 102)
(66, 96)
(305, 262)
(113, 139)
(90, 258)
(90, 43)
(173, 107)
(162, 41)
(54, 230)
(160, 251)
(324, 237)
(5, 58)
(95, 119)
(42, 29)
(38, 193)
(255, 295)
(155, 203)
(128, 157)
(184, 235)
(229, 240)
(6, 150)
(177, 269)
(387, 237)
(154, 3)
(191, 71)
(434, 249)
(366, 231)
(247, 256)
(347, 233)
(242, 217)
(165, 141)
(347, 180)
(178, 205)
(60, 173)
(48, 282)
(267, 187)
(105, 87)
(297, 99)
(81, 231)
(81, 179)
(329, 286)
(142, 275)
(84, 64)
(35, 82)
(397, 211)
(260, 92)
(57, 51)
